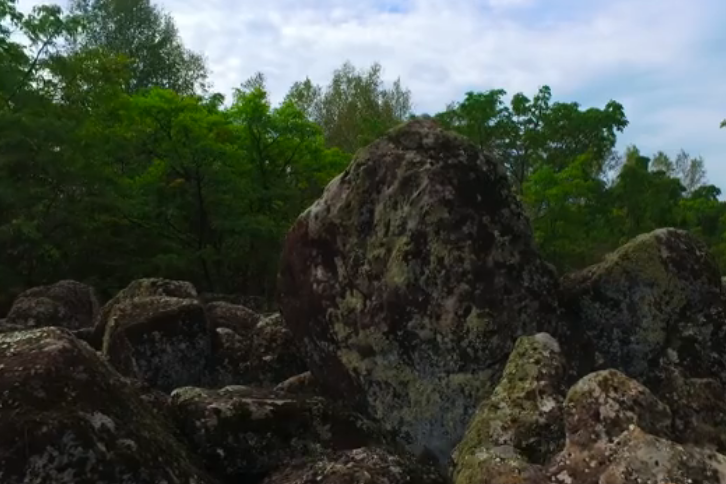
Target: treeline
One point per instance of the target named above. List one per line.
(118, 162)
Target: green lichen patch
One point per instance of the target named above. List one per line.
(658, 295)
(523, 413)
(407, 283)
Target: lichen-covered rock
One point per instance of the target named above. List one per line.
(242, 432)
(66, 304)
(147, 287)
(638, 457)
(66, 417)
(698, 406)
(168, 339)
(302, 384)
(263, 357)
(603, 404)
(232, 316)
(231, 355)
(524, 413)
(655, 299)
(365, 465)
(598, 409)
(500, 465)
(407, 283)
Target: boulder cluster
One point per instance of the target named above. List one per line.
(420, 339)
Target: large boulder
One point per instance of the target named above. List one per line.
(242, 433)
(165, 341)
(365, 465)
(67, 304)
(66, 417)
(520, 426)
(407, 283)
(598, 409)
(655, 300)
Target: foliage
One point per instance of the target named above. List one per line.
(117, 163)
(355, 108)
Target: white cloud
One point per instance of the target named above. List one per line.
(441, 48)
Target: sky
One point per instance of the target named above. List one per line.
(664, 60)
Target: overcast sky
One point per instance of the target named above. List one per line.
(664, 60)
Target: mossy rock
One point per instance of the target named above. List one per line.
(408, 282)
(656, 299)
(524, 413)
(69, 418)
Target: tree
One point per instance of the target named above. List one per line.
(530, 133)
(355, 108)
(690, 171)
(145, 36)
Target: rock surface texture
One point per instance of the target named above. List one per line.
(166, 339)
(365, 465)
(421, 339)
(242, 432)
(68, 304)
(521, 423)
(407, 283)
(655, 300)
(66, 417)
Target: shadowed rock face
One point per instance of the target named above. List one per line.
(655, 300)
(66, 417)
(165, 341)
(242, 432)
(407, 283)
(366, 465)
(67, 304)
(263, 356)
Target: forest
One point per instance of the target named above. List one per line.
(118, 160)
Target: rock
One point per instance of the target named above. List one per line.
(231, 356)
(357, 466)
(638, 457)
(521, 423)
(167, 338)
(89, 336)
(232, 316)
(407, 283)
(302, 384)
(655, 299)
(67, 417)
(699, 410)
(66, 304)
(265, 357)
(144, 288)
(598, 409)
(500, 465)
(242, 432)
(254, 303)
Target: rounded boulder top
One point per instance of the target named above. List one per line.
(409, 280)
